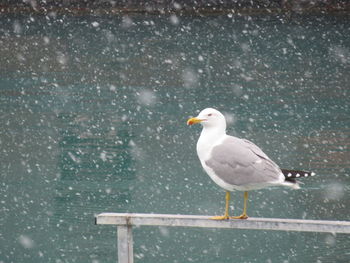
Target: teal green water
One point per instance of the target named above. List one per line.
(93, 113)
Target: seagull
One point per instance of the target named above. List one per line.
(237, 164)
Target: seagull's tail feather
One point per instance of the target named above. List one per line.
(292, 175)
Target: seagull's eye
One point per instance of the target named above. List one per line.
(210, 114)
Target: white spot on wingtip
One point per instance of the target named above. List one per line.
(289, 175)
(306, 174)
(297, 175)
(313, 174)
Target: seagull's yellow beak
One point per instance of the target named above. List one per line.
(194, 120)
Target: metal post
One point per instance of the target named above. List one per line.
(125, 244)
(125, 221)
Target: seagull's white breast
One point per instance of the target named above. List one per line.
(205, 146)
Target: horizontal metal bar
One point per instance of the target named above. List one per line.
(205, 221)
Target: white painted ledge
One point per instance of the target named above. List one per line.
(126, 219)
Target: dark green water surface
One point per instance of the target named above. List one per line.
(93, 117)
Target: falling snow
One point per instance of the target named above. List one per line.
(94, 110)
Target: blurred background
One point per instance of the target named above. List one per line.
(94, 98)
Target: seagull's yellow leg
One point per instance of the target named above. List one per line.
(244, 215)
(225, 216)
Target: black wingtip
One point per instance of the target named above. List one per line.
(291, 175)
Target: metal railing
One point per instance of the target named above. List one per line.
(125, 222)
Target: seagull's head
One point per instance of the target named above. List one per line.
(209, 117)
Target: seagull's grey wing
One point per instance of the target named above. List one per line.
(240, 162)
(254, 148)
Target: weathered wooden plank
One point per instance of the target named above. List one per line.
(126, 219)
